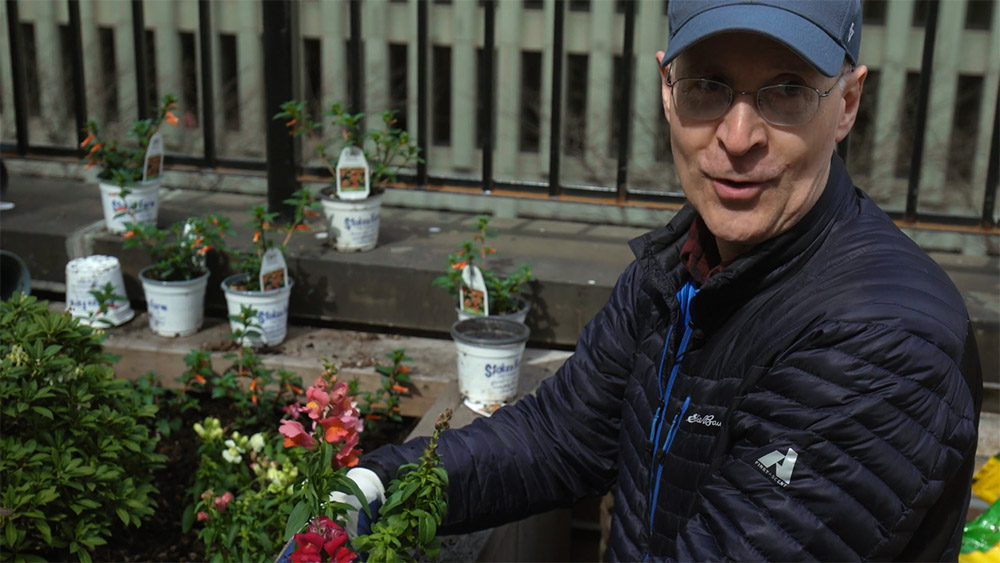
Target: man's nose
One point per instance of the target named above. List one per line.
(742, 128)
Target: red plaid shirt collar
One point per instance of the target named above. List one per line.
(700, 254)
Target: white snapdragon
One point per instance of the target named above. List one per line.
(257, 442)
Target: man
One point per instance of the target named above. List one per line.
(780, 373)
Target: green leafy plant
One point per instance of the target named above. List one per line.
(387, 149)
(503, 291)
(107, 298)
(179, 252)
(75, 457)
(262, 223)
(120, 165)
(383, 403)
(415, 505)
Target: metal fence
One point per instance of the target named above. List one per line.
(556, 110)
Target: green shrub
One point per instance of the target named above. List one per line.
(75, 458)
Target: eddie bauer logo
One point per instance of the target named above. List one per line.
(706, 420)
(783, 465)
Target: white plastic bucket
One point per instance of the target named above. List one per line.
(92, 273)
(141, 205)
(353, 225)
(271, 307)
(489, 360)
(517, 316)
(176, 308)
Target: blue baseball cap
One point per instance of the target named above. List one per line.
(822, 32)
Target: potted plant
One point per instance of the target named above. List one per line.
(263, 282)
(503, 293)
(359, 172)
(129, 178)
(174, 284)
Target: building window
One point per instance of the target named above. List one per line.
(979, 14)
(534, 4)
(907, 127)
(109, 73)
(397, 83)
(31, 69)
(921, 10)
(965, 128)
(153, 90)
(531, 101)
(579, 5)
(441, 96)
(189, 79)
(312, 79)
(229, 75)
(66, 51)
(873, 12)
(615, 129)
(575, 132)
(863, 134)
(483, 122)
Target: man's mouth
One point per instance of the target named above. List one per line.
(737, 189)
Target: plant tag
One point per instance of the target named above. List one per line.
(273, 270)
(472, 295)
(152, 168)
(352, 174)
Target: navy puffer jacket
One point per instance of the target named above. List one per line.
(817, 399)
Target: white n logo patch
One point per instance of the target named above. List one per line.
(782, 463)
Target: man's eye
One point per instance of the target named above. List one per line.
(708, 87)
(788, 90)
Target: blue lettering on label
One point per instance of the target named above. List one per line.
(360, 222)
(270, 315)
(500, 369)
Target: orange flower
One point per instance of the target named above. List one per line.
(87, 141)
(253, 384)
(94, 149)
(265, 225)
(129, 234)
(403, 369)
(170, 118)
(204, 250)
(196, 242)
(256, 236)
(199, 379)
(310, 213)
(89, 164)
(301, 227)
(291, 122)
(253, 398)
(460, 265)
(400, 388)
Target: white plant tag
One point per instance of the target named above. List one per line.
(472, 295)
(152, 167)
(192, 238)
(273, 270)
(352, 174)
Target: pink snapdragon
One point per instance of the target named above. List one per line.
(296, 435)
(323, 537)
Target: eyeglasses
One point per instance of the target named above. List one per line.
(786, 105)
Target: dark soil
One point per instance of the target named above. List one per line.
(161, 537)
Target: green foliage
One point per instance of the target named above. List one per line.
(383, 403)
(106, 300)
(387, 149)
(178, 252)
(415, 505)
(262, 222)
(75, 458)
(121, 165)
(503, 291)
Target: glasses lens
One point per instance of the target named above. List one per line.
(787, 104)
(701, 99)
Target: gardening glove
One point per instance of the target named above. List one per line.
(358, 522)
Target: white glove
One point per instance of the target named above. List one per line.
(370, 485)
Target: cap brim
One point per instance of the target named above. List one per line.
(799, 34)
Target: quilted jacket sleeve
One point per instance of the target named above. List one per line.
(546, 450)
(842, 450)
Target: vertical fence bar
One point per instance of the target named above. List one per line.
(625, 117)
(79, 84)
(207, 81)
(421, 92)
(280, 70)
(489, 47)
(20, 78)
(920, 128)
(354, 54)
(993, 169)
(139, 41)
(555, 126)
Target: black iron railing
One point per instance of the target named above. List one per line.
(283, 159)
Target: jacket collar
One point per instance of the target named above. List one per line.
(658, 252)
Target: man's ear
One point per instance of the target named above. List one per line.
(665, 97)
(853, 85)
